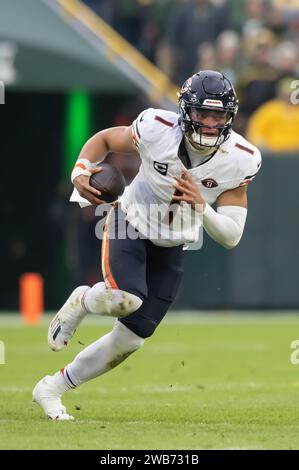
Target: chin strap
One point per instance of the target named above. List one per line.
(204, 140)
(203, 152)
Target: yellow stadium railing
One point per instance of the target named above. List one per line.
(158, 86)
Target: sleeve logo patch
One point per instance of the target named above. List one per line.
(161, 167)
(209, 183)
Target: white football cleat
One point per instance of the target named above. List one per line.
(67, 320)
(48, 398)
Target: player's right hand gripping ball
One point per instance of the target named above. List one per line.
(110, 181)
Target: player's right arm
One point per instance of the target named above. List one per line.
(115, 139)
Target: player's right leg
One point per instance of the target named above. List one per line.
(98, 300)
(120, 295)
(67, 320)
(125, 271)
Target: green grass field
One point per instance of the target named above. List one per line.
(201, 382)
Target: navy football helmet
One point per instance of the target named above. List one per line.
(207, 90)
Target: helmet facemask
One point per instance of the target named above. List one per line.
(195, 131)
(211, 91)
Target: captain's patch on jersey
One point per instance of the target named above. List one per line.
(209, 183)
(161, 167)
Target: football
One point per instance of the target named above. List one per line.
(110, 181)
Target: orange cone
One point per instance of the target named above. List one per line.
(31, 298)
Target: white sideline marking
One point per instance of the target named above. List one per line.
(8, 389)
(2, 352)
(180, 317)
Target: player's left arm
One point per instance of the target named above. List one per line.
(233, 197)
(226, 225)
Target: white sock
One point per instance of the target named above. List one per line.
(102, 355)
(60, 382)
(101, 300)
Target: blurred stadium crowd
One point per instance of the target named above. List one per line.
(254, 42)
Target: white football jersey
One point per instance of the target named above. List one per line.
(160, 143)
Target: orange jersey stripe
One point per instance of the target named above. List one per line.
(246, 149)
(245, 182)
(163, 121)
(134, 136)
(135, 141)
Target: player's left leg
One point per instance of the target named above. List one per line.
(163, 276)
(164, 273)
(98, 358)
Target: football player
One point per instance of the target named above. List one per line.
(189, 161)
